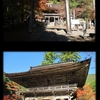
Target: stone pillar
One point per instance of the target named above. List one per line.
(31, 16)
(68, 16)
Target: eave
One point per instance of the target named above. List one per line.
(80, 70)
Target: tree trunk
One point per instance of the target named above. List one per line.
(22, 11)
(68, 16)
(73, 13)
(31, 16)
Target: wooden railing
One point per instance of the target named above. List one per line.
(51, 88)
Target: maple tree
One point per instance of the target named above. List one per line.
(86, 93)
(18, 11)
(40, 6)
(10, 89)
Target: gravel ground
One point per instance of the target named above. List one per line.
(52, 34)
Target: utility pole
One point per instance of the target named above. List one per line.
(68, 21)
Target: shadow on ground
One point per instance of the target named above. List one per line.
(53, 36)
(41, 34)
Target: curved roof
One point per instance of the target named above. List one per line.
(77, 71)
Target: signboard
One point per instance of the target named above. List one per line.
(75, 21)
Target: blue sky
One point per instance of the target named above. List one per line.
(22, 61)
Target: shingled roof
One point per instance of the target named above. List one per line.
(55, 6)
(77, 72)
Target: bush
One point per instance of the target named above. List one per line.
(86, 93)
(10, 88)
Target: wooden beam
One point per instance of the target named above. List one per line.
(49, 14)
(50, 89)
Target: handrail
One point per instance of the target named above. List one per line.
(51, 88)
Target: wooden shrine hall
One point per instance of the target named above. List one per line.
(67, 13)
(48, 16)
(57, 81)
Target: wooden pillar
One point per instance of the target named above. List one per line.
(70, 97)
(58, 18)
(45, 18)
(54, 18)
(68, 16)
(48, 19)
(24, 96)
(31, 16)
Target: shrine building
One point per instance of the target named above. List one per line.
(57, 81)
(48, 16)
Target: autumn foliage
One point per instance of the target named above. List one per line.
(12, 97)
(10, 89)
(40, 5)
(86, 93)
